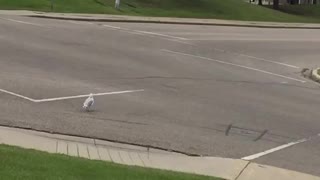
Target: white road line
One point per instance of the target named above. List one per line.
(153, 34)
(81, 23)
(254, 57)
(255, 156)
(23, 22)
(138, 32)
(257, 58)
(220, 50)
(313, 82)
(266, 60)
(182, 42)
(68, 97)
(86, 95)
(237, 65)
(113, 27)
(246, 39)
(17, 95)
(158, 34)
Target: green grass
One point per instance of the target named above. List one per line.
(17, 163)
(220, 9)
(311, 11)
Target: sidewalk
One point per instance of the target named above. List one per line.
(163, 20)
(231, 169)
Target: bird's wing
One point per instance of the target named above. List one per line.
(90, 102)
(86, 102)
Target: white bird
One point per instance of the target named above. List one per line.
(88, 103)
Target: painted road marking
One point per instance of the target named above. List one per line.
(182, 42)
(68, 97)
(252, 57)
(81, 23)
(23, 22)
(142, 33)
(258, 155)
(163, 35)
(113, 27)
(17, 95)
(246, 39)
(208, 33)
(270, 61)
(257, 58)
(86, 95)
(138, 32)
(236, 65)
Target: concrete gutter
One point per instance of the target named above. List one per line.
(315, 75)
(89, 148)
(161, 20)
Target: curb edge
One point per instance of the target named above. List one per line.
(169, 22)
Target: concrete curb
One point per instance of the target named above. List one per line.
(230, 169)
(125, 154)
(176, 21)
(315, 75)
(159, 20)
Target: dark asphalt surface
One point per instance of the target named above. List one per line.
(247, 77)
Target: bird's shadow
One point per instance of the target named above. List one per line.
(91, 111)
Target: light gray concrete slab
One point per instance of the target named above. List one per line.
(73, 149)
(136, 160)
(261, 172)
(145, 159)
(125, 156)
(93, 152)
(225, 168)
(62, 147)
(17, 138)
(115, 156)
(104, 154)
(83, 150)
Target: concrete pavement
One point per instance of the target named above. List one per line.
(197, 81)
(230, 169)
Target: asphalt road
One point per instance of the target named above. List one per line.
(197, 81)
